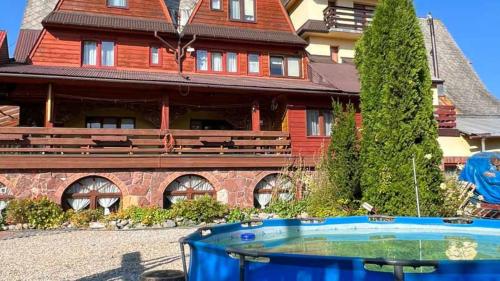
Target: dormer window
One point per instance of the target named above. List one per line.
(117, 3)
(282, 66)
(98, 53)
(242, 10)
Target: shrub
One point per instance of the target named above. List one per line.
(44, 214)
(202, 209)
(145, 215)
(240, 214)
(398, 119)
(287, 209)
(17, 211)
(84, 217)
(451, 190)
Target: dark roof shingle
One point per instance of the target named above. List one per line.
(313, 26)
(234, 33)
(341, 76)
(200, 80)
(25, 42)
(108, 22)
(462, 85)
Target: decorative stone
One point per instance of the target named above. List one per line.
(19, 226)
(223, 196)
(25, 226)
(168, 224)
(122, 223)
(96, 225)
(11, 227)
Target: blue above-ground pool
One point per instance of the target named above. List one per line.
(351, 248)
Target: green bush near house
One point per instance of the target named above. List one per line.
(202, 209)
(398, 120)
(287, 209)
(240, 214)
(84, 217)
(39, 213)
(145, 215)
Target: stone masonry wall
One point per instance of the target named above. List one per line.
(139, 187)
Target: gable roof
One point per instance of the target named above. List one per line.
(35, 11)
(4, 48)
(462, 85)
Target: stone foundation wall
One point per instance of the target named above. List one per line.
(138, 187)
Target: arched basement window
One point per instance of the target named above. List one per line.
(93, 193)
(186, 188)
(5, 196)
(269, 185)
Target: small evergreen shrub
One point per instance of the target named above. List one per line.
(240, 214)
(84, 217)
(202, 209)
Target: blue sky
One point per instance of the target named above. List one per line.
(473, 24)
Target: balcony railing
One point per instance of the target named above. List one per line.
(137, 142)
(348, 18)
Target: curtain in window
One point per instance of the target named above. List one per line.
(293, 67)
(79, 204)
(90, 53)
(253, 63)
(155, 55)
(200, 184)
(106, 203)
(328, 122)
(202, 60)
(312, 123)
(249, 10)
(117, 3)
(235, 9)
(108, 53)
(216, 4)
(177, 185)
(232, 62)
(216, 62)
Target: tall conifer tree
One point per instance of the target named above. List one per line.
(398, 121)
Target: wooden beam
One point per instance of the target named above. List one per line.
(165, 113)
(256, 116)
(49, 108)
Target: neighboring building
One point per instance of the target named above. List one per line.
(116, 106)
(468, 116)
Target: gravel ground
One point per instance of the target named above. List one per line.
(89, 255)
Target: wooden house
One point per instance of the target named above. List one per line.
(145, 102)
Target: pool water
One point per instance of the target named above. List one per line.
(406, 244)
(385, 245)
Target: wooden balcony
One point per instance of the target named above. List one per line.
(34, 148)
(446, 117)
(348, 19)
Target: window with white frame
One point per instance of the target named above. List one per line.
(319, 122)
(285, 66)
(108, 53)
(117, 3)
(253, 63)
(155, 55)
(215, 5)
(89, 53)
(202, 60)
(216, 61)
(232, 62)
(242, 10)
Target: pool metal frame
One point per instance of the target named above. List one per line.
(246, 256)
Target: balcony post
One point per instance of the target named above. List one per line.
(49, 108)
(165, 113)
(255, 116)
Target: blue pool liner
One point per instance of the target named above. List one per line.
(210, 261)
